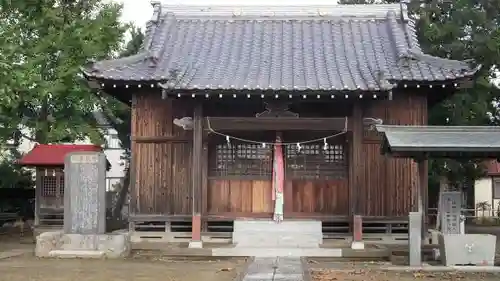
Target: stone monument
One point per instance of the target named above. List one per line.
(455, 247)
(84, 233)
(451, 204)
(85, 193)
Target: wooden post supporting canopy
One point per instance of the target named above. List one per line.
(417, 221)
(196, 179)
(422, 192)
(354, 163)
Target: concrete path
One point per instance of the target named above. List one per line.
(275, 269)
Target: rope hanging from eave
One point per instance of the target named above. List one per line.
(273, 143)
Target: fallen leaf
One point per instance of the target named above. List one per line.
(418, 275)
(227, 269)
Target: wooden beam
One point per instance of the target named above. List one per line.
(160, 139)
(196, 172)
(275, 124)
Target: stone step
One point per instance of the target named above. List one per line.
(269, 234)
(272, 241)
(288, 226)
(276, 252)
(72, 254)
(282, 234)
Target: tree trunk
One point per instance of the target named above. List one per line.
(122, 196)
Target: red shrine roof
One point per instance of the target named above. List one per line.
(492, 168)
(53, 154)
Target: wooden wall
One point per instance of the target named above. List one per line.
(384, 183)
(162, 154)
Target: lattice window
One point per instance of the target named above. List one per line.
(52, 184)
(61, 184)
(49, 186)
(241, 160)
(313, 161)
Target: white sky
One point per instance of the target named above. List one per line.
(136, 11)
(140, 11)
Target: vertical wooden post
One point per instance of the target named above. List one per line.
(356, 126)
(422, 193)
(354, 168)
(204, 186)
(357, 237)
(132, 207)
(197, 181)
(38, 195)
(59, 195)
(416, 229)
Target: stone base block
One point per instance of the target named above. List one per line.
(195, 245)
(49, 244)
(357, 245)
(467, 249)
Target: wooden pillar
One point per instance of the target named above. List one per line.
(196, 176)
(204, 185)
(132, 207)
(59, 195)
(38, 195)
(354, 157)
(421, 192)
(354, 170)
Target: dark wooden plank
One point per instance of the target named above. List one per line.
(197, 162)
(355, 157)
(218, 196)
(246, 196)
(275, 124)
(235, 199)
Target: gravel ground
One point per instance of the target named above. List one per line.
(29, 268)
(363, 271)
(139, 268)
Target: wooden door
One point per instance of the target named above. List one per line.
(316, 182)
(240, 180)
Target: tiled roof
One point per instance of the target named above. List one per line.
(442, 141)
(301, 47)
(53, 154)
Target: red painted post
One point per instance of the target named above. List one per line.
(357, 236)
(196, 228)
(357, 228)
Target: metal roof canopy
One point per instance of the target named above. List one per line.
(422, 142)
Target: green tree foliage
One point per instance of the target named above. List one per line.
(462, 30)
(43, 45)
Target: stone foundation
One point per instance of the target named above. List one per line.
(60, 245)
(269, 234)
